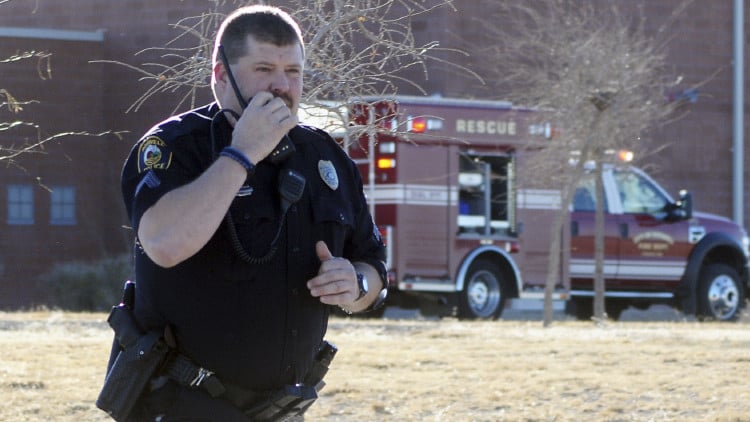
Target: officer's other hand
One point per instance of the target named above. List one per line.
(261, 126)
(336, 282)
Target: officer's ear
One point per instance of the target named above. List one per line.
(220, 73)
(220, 84)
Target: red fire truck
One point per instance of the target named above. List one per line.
(465, 235)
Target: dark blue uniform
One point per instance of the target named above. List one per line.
(254, 325)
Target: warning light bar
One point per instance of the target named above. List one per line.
(422, 124)
(625, 156)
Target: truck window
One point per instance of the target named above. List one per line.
(584, 198)
(638, 195)
(483, 194)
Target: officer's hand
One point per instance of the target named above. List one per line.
(262, 125)
(336, 282)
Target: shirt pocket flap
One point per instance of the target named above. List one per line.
(328, 209)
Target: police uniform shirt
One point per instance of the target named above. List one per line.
(255, 325)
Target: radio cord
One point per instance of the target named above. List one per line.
(234, 238)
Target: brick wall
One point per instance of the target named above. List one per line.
(67, 99)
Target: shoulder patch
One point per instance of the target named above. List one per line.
(153, 154)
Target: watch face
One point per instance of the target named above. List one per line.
(363, 286)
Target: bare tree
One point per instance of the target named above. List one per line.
(599, 74)
(15, 107)
(355, 49)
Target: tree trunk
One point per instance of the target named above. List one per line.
(599, 239)
(555, 253)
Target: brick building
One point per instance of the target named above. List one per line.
(64, 204)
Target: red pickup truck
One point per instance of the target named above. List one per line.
(656, 250)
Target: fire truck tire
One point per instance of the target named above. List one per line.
(583, 308)
(615, 308)
(721, 295)
(484, 293)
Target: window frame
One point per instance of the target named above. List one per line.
(20, 210)
(62, 211)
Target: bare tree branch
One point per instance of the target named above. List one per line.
(581, 64)
(13, 104)
(8, 153)
(355, 48)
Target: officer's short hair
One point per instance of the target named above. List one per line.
(264, 23)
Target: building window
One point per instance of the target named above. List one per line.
(62, 206)
(20, 204)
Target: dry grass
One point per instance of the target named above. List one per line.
(51, 367)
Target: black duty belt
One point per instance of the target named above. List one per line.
(182, 370)
(259, 405)
(185, 372)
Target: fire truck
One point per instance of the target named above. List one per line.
(465, 235)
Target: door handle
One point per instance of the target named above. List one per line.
(624, 230)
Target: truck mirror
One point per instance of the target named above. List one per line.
(685, 204)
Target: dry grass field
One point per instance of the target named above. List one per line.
(52, 363)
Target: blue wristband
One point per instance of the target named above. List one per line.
(239, 157)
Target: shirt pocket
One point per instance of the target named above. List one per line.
(256, 221)
(255, 226)
(333, 219)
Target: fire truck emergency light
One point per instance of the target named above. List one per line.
(417, 125)
(625, 156)
(386, 163)
(423, 124)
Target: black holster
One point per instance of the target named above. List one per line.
(294, 400)
(138, 356)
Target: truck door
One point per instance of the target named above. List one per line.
(652, 249)
(582, 228)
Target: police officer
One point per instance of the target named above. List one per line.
(241, 248)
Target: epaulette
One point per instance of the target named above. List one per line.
(317, 131)
(183, 124)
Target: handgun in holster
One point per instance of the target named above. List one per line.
(295, 399)
(138, 356)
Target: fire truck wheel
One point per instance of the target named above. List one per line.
(720, 293)
(580, 307)
(483, 296)
(583, 308)
(615, 308)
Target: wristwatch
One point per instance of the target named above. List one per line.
(363, 289)
(362, 284)
(380, 300)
